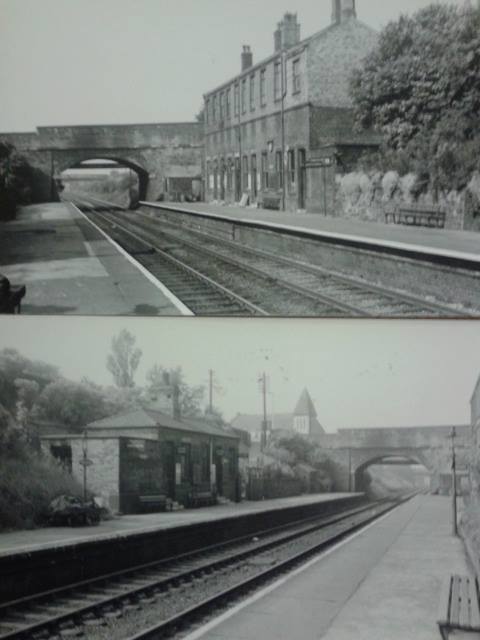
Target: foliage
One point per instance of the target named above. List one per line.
(15, 180)
(191, 398)
(72, 404)
(420, 87)
(124, 359)
(299, 447)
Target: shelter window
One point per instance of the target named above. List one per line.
(252, 92)
(263, 87)
(296, 76)
(185, 460)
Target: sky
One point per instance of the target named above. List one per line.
(360, 373)
(65, 62)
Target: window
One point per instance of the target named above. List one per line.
(244, 95)
(229, 174)
(263, 87)
(214, 108)
(291, 165)
(227, 103)
(208, 175)
(245, 173)
(264, 170)
(221, 107)
(207, 110)
(296, 76)
(252, 92)
(279, 167)
(277, 81)
(236, 100)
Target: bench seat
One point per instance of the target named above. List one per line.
(459, 610)
(416, 215)
(154, 501)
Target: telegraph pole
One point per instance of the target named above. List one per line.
(263, 440)
(454, 484)
(210, 390)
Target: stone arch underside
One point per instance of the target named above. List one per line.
(70, 159)
(405, 456)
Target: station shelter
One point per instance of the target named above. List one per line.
(143, 460)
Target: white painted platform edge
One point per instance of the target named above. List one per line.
(404, 246)
(184, 310)
(198, 633)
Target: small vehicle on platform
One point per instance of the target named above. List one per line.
(71, 511)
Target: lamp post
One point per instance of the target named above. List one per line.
(85, 462)
(454, 484)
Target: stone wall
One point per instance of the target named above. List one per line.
(103, 475)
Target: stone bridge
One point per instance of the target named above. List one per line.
(162, 155)
(352, 451)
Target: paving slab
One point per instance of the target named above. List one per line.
(52, 537)
(69, 267)
(455, 244)
(381, 584)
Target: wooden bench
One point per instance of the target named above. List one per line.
(202, 498)
(10, 296)
(459, 610)
(153, 502)
(416, 215)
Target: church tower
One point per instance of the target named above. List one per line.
(305, 421)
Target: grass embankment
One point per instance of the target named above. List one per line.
(28, 483)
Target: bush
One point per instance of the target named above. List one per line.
(28, 483)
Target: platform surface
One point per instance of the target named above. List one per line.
(454, 244)
(381, 584)
(53, 537)
(69, 267)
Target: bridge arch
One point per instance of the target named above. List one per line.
(359, 482)
(77, 162)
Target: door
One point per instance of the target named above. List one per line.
(238, 185)
(302, 179)
(168, 450)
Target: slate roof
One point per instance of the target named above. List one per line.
(252, 422)
(145, 417)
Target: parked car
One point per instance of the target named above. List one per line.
(71, 511)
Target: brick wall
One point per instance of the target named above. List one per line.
(103, 474)
(332, 56)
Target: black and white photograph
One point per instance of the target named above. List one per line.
(232, 478)
(226, 159)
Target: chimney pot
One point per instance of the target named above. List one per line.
(288, 32)
(342, 10)
(247, 57)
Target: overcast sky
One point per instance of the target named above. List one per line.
(121, 61)
(359, 373)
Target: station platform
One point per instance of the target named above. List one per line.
(70, 267)
(16, 542)
(382, 583)
(456, 246)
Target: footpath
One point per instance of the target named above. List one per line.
(383, 583)
(70, 267)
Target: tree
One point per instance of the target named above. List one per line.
(72, 404)
(15, 180)
(124, 359)
(420, 88)
(191, 398)
(16, 371)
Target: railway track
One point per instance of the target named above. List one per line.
(162, 597)
(264, 283)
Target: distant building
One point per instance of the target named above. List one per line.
(303, 421)
(277, 132)
(475, 413)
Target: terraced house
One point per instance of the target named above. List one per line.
(277, 132)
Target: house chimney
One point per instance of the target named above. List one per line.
(166, 397)
(342, 10)
(247, 57)
(288, 32)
